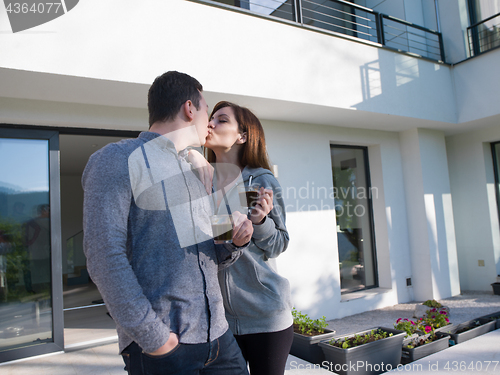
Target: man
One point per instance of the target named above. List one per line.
(148, 244)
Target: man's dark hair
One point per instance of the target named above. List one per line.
(169, 92)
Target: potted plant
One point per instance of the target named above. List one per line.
(369, 352)
(434, 321)
(467, 330)
(490, 317)
(307, 334)
(407, 325)
(421, 339)
(422, 346)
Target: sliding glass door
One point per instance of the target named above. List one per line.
(30, 271)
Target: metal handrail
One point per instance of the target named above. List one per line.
(408, 23)
(353, 5)
(428, 52)
(476, 37)
(483, 21)
(332, 19)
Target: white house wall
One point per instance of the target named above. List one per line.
(302, 154)
(475, 207)
(48, 113)
(477, 87)
(232, 53)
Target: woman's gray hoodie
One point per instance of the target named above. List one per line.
(256, 298)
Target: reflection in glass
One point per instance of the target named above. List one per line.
(482, 9)
(484, 35)
(354, 222)
(25, 261)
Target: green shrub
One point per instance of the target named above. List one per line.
(358, 340)
(432, 303)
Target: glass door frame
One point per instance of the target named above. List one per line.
(56, 250)
(365, 150)
(496, 174)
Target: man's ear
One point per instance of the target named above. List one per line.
(187, 110)
(242, 139)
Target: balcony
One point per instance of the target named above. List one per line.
(348, 19)
(484, 36)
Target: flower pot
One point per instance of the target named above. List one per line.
(491, 317)
(496, 288)
(409, 355)
(457, 337)
(306, 347)
(408, 339)
(372, 358)
(445, 328)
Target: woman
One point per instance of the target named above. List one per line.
(257, 300)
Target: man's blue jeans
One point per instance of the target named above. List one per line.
(219, 357)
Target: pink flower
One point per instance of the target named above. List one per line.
(447, 320)
(412, 323)
(397, 321)
(433, 309)
(443, 312)
(428, 329)
(433, 317)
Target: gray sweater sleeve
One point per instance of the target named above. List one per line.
(272, 236)
(107, 200)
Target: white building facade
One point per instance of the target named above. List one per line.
(381, 122)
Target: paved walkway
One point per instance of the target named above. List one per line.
(480, 355)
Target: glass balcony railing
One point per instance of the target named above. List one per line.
(484, 36)
(350, 19)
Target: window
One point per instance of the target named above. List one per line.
(484, 32)
(352, 193)
(482, 9)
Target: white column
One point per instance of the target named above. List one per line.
(430, 214)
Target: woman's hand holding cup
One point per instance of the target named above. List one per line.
(243, 229)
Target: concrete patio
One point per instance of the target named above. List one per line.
(479, 355)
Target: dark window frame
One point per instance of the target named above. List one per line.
(57, 345)
(370, 215)
(496, 174)
(51, 133)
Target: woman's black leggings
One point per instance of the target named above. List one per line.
(266, 353)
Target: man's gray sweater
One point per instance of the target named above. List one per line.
(147, 239)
